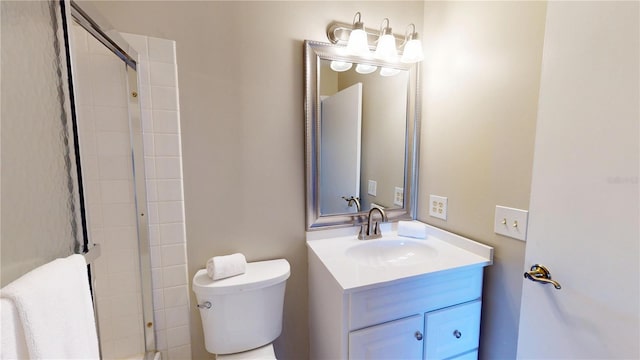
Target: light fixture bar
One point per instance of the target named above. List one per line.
(338, 33)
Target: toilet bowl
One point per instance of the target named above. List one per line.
(242, 315)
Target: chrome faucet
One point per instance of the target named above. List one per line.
(371, 230)
(353, 200)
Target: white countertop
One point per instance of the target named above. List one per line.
(453, 252)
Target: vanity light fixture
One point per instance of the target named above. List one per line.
(386, 49)
(357, 43)
(413, 47)
(340, 66)
(359, 40)
(365, 69)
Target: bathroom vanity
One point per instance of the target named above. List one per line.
(395, 297)
(388, 298)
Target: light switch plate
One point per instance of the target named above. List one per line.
(372, 189)
(511, 222)
(438, 206)
(398, 196)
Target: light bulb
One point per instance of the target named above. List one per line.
(340, 66)
(365, 69)
(357, 44)
(386, 49)
(412, 52)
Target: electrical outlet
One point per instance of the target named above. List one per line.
(438, 206)
(373, 186)
(511, 222)
(398, 196)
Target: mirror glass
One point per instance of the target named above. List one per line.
(361, 135)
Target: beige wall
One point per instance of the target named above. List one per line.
(240, 67)
(481, 83)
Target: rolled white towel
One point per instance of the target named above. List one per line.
(220, 267)
(412, 229)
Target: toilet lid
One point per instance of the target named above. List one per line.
(258, 275)
(262, 353)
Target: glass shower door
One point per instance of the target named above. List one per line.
(109, 124)
(41, 216)
(57, 167)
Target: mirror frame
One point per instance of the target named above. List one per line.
(314, 52)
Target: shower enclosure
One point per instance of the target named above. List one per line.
(73, 164)
(111, 155)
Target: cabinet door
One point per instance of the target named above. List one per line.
(400, 339)
(471, 355)
(452, 331)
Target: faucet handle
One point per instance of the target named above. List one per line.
(376, 230)
(363, 232)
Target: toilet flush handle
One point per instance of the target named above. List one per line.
(204, 305)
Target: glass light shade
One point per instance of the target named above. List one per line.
(386, 49)
(412, 52)
(365, 69)
(357, 44)
(340, 66)
(385, 71)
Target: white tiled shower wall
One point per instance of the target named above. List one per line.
(157, 74)
(105, 149)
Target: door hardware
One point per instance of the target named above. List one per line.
(541, 274)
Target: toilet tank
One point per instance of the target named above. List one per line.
(246, 310)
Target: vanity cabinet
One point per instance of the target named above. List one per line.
(452, 331)
(431, 316)
(395, 297)
(449, 333)
(392, 340)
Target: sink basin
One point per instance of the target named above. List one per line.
(394, 252)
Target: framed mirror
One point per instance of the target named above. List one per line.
(362, 126)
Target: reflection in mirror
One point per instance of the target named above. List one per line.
(362, 120)
(361, 136)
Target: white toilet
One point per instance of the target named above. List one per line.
(242, 315)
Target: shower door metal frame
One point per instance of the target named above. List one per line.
(93, 22)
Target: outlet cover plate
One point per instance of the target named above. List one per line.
(511, 222)
(373, 187)
(438, 206)
(398, 196)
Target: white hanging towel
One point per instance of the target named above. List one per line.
(53, 304)
(220, 267)
(12, 345)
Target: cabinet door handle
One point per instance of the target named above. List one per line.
(418, 335)
(457, 334)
